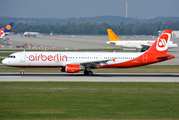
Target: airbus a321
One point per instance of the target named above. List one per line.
(73, 62)
(139, 44)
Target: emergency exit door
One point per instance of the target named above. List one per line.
(145, 58)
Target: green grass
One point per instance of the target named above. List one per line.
(4, 54)
(1, 60)
(87, 100)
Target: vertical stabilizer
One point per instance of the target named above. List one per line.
(112, 36)
(161, 44)
(8, 27)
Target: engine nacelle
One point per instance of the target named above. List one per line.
(71, 68)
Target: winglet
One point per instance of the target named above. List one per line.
(112, 36)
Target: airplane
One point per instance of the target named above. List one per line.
(6, 31)
(31, 34)
(73, 62)
(113, 39)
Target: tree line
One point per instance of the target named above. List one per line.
(86, 28)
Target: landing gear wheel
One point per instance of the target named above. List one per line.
(90, 73)
(85, 72)
(22, 72)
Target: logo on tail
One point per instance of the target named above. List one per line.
(162, 42)
(8, 27)
(113, 34)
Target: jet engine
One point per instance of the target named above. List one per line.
(71, 68)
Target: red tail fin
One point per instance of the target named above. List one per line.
(1, 32)
(161, 44)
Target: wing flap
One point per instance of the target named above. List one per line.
(94, 63)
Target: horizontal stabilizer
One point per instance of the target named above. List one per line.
(163, 57)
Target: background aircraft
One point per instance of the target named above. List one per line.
(6, 31)
(31, 34)
(113, 39)
(72, 62)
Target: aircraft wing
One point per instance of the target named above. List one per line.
(145, 46)
(111, 42)
(95, 63)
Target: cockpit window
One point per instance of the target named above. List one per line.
(11, 57)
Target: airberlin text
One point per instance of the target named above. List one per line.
(41, 57)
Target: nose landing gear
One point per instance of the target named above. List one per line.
(22, 71)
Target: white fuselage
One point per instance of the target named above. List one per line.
(31, 34)
(59, 59)
(137, 44)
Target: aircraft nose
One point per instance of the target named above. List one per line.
(5, 62)
(107, 42)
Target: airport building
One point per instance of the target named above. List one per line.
(175, 34)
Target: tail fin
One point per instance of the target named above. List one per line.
(112, 36)
(8, 27)
(1, 32)
(160, 46)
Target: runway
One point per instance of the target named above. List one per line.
(97, 77)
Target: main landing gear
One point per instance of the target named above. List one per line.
(88, 72)
(22, 71)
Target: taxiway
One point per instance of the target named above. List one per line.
(79, 77)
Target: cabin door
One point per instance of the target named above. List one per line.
(99, 57)
(145, 58)
(22, 57)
